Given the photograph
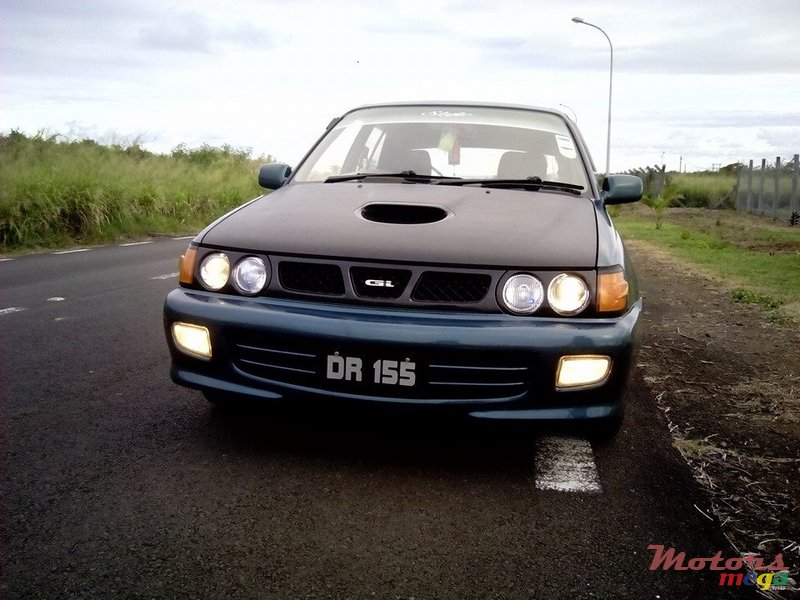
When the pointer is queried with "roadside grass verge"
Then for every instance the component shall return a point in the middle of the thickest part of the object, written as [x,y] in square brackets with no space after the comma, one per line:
[55,193]
[759,270]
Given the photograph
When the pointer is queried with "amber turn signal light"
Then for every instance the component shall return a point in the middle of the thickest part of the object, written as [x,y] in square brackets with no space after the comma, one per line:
[612,292]
[186,265]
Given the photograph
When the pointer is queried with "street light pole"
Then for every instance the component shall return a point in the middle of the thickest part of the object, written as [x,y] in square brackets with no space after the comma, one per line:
[610,82]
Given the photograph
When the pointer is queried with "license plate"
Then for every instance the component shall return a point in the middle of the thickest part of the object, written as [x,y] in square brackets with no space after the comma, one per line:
[380,371]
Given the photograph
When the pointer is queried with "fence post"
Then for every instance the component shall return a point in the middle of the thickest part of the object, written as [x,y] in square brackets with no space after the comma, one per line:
[750,185]
[795,176]
[777,187]
[663,180]
[761,186]
[737,199]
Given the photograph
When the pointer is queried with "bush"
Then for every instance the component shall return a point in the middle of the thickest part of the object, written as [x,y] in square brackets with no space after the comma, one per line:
[54,191]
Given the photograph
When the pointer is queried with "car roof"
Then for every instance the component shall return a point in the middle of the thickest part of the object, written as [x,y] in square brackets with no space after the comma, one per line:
[458,103]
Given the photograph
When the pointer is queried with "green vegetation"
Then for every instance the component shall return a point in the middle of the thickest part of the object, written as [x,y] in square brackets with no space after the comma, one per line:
[769,305]
[766,302]
[704,189]
[56,193]
[760,258]
[660,203]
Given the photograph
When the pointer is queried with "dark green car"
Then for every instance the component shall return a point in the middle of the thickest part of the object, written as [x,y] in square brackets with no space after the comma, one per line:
[453,256]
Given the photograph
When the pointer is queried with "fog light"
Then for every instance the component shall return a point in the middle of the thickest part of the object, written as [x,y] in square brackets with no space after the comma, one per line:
[192,339]
[580,371]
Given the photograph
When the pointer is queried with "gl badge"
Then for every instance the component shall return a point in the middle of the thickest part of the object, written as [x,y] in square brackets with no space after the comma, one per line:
[385,283]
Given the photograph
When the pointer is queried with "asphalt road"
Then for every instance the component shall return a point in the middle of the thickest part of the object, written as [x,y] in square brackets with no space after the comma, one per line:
[117,483]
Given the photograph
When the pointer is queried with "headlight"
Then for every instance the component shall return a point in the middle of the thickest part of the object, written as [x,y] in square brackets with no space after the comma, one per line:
[523,294]
[568,294]
[250,275]
[214,271]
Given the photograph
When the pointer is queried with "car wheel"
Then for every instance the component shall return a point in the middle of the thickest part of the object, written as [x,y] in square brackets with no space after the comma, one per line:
[605,430]
[226,402]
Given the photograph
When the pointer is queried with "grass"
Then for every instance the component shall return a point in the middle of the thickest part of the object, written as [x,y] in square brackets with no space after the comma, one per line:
[760,261]
[57,193]
[703,189]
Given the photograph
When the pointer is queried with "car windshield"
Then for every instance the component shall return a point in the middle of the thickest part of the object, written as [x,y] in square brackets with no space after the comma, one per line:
[467,142]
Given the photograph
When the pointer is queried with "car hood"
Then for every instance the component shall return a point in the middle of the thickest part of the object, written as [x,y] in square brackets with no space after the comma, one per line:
[482,227]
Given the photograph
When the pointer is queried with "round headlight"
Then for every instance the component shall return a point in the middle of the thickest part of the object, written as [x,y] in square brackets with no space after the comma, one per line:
[568,294]
[250,275]
[214,271]
[523,294]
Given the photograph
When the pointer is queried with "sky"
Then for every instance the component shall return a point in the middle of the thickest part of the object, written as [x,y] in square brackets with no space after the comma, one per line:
[695,84]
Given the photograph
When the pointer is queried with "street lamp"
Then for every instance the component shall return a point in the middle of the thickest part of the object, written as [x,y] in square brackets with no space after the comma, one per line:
[610,81]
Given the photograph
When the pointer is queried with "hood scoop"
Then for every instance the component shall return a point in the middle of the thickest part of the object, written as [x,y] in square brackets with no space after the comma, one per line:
[403,214]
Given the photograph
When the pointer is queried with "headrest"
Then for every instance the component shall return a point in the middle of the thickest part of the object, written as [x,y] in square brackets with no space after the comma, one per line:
[521,165]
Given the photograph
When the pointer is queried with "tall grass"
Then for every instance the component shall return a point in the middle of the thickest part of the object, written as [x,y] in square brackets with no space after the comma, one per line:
[704,190]
[700,190]
[56,192]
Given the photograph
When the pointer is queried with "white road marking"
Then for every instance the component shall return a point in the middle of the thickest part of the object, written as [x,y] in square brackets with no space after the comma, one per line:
[566,464]
[56,299]
[5,259]
[166,276]
[185,237]
[11,310]
[72,251]
[135,244]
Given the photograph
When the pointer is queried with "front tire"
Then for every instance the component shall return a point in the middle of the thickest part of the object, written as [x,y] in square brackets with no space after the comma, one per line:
[225,402]
[605,430]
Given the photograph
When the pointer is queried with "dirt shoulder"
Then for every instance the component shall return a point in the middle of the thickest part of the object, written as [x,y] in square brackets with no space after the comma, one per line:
[728,381]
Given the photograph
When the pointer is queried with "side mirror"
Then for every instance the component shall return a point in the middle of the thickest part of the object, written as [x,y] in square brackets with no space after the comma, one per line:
[620,189]
[273,175]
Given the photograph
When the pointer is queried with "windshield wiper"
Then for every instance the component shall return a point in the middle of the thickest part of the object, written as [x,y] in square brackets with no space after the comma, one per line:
[406,175]
[529,183]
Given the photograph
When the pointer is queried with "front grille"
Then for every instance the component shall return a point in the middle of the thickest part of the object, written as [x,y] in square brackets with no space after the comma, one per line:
[274,361]
[477,378]
[459,376]
[370,282]
[311,278]
[435,286]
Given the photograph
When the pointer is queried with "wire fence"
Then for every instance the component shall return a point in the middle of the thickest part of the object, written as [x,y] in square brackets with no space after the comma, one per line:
[769,189]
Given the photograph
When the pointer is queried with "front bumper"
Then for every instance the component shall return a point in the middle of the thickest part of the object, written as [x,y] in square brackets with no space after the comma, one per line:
[271,348]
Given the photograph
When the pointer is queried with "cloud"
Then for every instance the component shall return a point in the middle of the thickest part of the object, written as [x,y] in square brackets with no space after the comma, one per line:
[99,40]
[185,32]
[723,118]
[784,141]
[689,38]
[407,26]
[690,77]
